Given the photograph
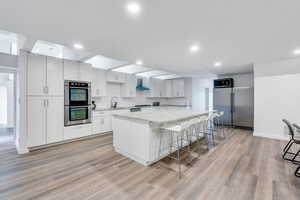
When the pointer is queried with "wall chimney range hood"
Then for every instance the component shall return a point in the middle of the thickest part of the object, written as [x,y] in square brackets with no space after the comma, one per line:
[140,85]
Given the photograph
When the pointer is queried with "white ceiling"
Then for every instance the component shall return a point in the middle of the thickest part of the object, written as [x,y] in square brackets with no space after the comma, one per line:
[234,32]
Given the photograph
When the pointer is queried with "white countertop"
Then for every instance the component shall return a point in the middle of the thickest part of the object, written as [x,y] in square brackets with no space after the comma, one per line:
[161,116]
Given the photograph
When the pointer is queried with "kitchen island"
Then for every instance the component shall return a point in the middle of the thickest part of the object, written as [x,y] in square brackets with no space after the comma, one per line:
[137,135]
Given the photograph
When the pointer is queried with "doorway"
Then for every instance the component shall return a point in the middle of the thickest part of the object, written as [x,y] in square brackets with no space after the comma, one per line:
[7,107]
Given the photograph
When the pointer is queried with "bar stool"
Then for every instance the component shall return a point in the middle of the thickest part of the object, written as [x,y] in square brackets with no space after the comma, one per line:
[292,141]
[209,127]
[198,129]
[181,133]
[221,123]
[297,141]
[297,138]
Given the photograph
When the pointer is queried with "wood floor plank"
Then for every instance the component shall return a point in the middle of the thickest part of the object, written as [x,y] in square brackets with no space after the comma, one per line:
[242,167]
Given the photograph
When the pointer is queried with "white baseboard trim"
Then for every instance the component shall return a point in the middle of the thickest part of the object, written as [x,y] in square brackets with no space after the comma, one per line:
[22,150]
[271,136]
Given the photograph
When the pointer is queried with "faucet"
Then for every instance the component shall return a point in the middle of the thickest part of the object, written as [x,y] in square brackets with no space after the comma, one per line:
[113,102]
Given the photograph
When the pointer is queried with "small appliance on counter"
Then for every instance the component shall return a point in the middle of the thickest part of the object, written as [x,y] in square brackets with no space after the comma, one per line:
[156,103]
[77,98]
[135,109]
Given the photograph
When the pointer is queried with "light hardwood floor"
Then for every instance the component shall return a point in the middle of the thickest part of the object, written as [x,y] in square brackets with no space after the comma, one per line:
[243,167]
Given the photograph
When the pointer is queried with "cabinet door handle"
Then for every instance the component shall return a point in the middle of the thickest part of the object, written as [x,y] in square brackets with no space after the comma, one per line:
[46,103]
[46,89]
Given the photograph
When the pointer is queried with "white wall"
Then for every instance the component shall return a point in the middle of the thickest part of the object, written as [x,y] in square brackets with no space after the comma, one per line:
[199,95]
[276,96]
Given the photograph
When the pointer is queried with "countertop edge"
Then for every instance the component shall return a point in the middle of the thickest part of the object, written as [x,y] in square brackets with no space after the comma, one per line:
[159,122]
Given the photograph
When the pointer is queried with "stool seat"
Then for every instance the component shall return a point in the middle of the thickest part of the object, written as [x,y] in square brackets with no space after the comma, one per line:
[176,128]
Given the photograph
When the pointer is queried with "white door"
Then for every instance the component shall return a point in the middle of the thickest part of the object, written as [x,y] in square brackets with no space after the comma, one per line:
[71,70]
[36,74]
[85,72]
[36,114]
[55,119]
[55,76]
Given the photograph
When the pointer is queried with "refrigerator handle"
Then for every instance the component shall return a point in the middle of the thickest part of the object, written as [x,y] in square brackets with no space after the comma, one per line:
[232,103]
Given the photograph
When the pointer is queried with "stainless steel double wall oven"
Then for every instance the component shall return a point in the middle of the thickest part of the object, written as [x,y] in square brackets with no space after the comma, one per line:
[77,102]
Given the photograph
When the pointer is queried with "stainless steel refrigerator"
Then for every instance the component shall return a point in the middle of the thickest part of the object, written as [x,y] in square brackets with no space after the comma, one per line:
[237,104]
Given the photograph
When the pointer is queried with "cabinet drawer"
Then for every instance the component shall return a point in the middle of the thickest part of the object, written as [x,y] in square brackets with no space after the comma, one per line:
[72,132]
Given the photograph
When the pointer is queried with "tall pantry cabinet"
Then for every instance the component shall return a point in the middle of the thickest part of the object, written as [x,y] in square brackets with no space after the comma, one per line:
[45,100]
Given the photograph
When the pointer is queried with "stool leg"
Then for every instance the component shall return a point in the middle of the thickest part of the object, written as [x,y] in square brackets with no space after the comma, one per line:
[159,148]
[178,157]
[288,148]
[284,149]
[295,156]
[297,173]
[223,129]
[170,142]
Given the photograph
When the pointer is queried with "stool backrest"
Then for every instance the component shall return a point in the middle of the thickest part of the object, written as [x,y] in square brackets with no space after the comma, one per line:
[290,128]
[297,127]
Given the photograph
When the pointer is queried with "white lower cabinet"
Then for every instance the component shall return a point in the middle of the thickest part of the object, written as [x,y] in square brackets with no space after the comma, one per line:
[72,132]
[45,120]
[106,123]
[102,122]
[36,122]
[55,120]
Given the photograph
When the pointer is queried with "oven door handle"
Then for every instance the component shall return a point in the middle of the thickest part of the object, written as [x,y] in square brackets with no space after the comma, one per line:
[79,87]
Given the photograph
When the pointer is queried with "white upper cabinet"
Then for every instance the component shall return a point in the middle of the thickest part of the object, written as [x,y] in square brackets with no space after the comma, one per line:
[71,70]
[55,77]
[36,75]
[98,82]
[178,88]
[85,72]
[152,86]
[115,77]
[157,87]
[128,89]
[166,88]
[161,88]
[44,76]
[169,89]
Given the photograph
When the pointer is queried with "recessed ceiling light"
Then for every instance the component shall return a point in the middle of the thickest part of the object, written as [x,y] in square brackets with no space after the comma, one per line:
[134,8]
[297,51]
[139,62]
[194,48]
[77,46]
[218,64]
